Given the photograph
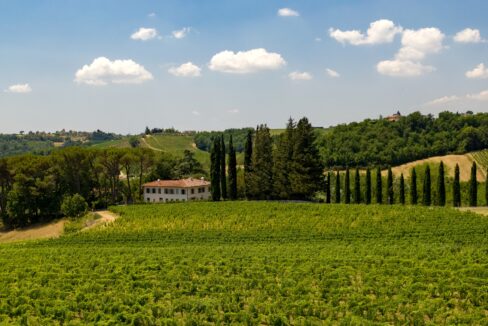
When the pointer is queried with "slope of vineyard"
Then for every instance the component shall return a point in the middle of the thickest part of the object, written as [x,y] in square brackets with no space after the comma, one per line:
[255,263]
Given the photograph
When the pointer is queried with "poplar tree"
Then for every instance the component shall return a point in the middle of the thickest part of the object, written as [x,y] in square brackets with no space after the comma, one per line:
[379,190]
[232,171]
[347,188]
[426,193]
[327,187]
[223,178]
[402,190]
[473,187]
[338,188]
[357,187]
[247,162]
[389,182]
[441,186]
[368,186]
[456,188]
[413,187]
[215,170]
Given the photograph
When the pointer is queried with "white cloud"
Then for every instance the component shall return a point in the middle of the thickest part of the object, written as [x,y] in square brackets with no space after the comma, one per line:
[244,62]
[102,71]
[233,111]
[19,88]
[416,44]
[481,96]
[468,35]
[144,34]
[380,31]
[186,70]
[152,14]
[287,12]
[444,100]
[297,75]
[194,112]
[179,34]
[480,71]
[332,73]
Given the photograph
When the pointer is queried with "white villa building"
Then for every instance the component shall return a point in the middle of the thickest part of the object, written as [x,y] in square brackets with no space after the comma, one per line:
[176,190]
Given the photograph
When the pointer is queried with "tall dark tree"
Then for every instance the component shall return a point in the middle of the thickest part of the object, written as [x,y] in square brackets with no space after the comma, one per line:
[486,188]
[368,186]
[402,189]
[215,169]
[441,186]
[357,187]
[347,188]
[338,188]
[282,162]
[223,165]
[389,182]
[327,187]
[379,187]
[232,171]
[261,176]
[473,187]
[247,162]
[426,191]
[306,173]
[413,187]
[456,188]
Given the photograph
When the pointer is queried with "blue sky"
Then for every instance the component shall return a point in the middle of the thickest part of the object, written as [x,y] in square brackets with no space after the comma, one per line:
[210,65]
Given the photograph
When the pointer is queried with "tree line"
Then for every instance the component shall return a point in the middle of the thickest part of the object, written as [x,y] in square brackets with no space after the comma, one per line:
[428,191]
[287,167]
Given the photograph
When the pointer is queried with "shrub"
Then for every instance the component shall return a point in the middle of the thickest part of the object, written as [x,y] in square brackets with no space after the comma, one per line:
[74,206]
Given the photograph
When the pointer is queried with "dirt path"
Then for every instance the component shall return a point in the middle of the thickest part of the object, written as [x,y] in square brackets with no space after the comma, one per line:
[106,218]
[45,231]
[477,210]
[149,146]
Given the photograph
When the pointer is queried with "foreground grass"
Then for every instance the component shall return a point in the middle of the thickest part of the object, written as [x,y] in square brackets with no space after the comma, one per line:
[255,263]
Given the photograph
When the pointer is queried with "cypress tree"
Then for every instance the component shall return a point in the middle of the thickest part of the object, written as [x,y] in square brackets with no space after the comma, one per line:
[215,170]
[327,187]
[223,178]
[368,186]
[347,189]
[261,176]
[413,187]
[441,186]
[456,188]
[486,188]
[402,190]
[282,162]
[232,171]
[357,187]
[389,183]
[247,163]
[379,187]
[426,193]
[473,187]
[338,188]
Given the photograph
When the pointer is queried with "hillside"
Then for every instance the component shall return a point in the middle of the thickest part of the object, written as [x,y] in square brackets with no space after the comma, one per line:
[221,263]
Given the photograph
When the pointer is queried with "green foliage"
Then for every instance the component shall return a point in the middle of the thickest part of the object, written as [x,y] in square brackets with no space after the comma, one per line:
[203,139]
[260,179]
[402,189]
[426,190]
[456,188]
[223,176]
[473,187]
[347,187]
[248,163]
[441,186]
[413,187]
[368,186]
[379,186]
[338,188]
[220,263]
[282,161]
[357,187]
[413,137]
[328,194]
[215,169]
[389,187]
[232,171]
[74,206]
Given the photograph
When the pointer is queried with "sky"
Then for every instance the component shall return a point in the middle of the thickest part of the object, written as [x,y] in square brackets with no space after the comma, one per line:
[120,65]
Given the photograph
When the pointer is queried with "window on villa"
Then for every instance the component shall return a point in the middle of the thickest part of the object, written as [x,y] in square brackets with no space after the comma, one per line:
[148,190]
[153,190]
[192,191]
[183,191]
[159,190]
[148,199]
[166,191]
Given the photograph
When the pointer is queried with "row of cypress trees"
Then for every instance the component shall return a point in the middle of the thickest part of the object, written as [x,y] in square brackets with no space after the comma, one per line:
[222,170]
[426,199]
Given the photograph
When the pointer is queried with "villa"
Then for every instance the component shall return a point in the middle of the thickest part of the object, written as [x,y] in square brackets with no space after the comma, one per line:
[176,190]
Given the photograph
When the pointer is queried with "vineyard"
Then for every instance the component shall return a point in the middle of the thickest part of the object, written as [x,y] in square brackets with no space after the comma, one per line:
[481,158]
[255,263]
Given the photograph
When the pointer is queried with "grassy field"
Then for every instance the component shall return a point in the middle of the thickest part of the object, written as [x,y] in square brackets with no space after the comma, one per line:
[255,263]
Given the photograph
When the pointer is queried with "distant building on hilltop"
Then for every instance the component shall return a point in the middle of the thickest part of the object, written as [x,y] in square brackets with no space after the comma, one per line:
[176,190]
[394,117]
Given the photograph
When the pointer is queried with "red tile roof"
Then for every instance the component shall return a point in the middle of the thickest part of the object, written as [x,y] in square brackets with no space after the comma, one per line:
[182,183]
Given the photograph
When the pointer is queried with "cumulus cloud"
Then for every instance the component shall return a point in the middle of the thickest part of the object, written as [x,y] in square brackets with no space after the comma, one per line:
[380,31]
[444,100]
[287,12]
[332,73]
[144,34]
[244,62]
[481,96]
[179,34]
[297,75]
[416,45]
[468,35]
[103,71]
[186,70]
[480,71]
[19,88]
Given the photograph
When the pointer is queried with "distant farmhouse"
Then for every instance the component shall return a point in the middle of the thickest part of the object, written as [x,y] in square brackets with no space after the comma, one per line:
[176,190]
[394,117]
